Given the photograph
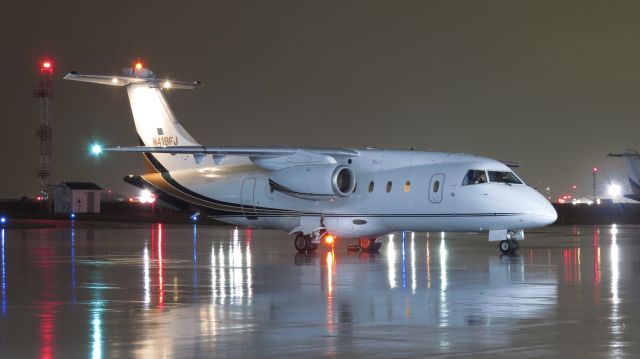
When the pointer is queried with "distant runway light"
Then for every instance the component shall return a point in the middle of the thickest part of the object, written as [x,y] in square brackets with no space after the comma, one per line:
[147,197]
[3,220]
[72,216]
[114,80]
[167,84]
[96,149]
[614,190]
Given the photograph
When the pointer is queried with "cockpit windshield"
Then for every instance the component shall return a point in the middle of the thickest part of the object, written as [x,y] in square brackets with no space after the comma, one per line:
[480,176]
[504,177]
[474,177]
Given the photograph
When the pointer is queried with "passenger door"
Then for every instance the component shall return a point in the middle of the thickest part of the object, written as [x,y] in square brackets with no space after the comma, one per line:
[436,187]
[246,198]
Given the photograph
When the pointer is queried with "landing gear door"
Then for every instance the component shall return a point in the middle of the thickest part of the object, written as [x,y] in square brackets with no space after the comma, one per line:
[436,187]
[246,198]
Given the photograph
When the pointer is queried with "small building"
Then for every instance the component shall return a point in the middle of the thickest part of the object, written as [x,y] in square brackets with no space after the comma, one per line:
[77,197]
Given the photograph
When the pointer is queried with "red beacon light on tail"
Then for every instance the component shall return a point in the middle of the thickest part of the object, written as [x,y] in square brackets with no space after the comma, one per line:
[138,70]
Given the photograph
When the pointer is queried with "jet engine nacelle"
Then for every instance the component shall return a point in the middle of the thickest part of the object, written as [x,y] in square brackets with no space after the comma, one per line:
[314,181]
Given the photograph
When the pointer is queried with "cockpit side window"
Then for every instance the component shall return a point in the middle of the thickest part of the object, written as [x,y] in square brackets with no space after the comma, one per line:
[504,177]
[474,177]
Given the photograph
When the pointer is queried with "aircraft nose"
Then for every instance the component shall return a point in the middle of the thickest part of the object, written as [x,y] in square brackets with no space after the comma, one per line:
[543,211]
[549,213]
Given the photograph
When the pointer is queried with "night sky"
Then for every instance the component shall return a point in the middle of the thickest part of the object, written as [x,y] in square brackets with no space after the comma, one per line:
[553,85]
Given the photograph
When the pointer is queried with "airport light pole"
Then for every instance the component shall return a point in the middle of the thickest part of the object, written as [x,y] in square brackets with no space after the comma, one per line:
[594,172]
[44,92]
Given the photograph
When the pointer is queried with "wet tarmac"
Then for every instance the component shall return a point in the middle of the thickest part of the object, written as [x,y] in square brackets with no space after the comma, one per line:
[177,291]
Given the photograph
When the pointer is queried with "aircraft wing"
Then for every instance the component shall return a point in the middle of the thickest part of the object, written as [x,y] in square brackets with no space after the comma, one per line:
[235,151]
[629,153]
[633,196]
[271,158]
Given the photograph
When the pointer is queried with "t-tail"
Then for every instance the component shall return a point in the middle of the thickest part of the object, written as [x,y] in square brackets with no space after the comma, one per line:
[155,123]
[632,161]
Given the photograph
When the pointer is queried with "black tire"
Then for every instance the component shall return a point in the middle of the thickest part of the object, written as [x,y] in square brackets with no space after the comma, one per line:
[311,247]
[300,242]
[376,247]
[505,247]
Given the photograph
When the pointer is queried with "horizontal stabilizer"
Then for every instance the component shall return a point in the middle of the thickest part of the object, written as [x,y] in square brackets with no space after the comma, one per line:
[143,76]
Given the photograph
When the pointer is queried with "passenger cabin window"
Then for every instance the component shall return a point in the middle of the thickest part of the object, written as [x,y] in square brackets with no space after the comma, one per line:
[407,186]
[436,186]
[370,186]
[389,184]
[474,177]
[504,177]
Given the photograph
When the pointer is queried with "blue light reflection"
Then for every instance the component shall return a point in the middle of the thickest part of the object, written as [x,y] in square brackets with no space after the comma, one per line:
[73,263]
[4,279]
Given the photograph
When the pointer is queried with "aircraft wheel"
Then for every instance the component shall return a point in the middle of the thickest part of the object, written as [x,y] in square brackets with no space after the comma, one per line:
[376,246]
[505,246]
[311,247]
[300,242]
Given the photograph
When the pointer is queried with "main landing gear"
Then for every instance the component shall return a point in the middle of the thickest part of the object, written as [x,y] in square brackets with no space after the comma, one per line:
[308,243]
[508,246]
[371,245]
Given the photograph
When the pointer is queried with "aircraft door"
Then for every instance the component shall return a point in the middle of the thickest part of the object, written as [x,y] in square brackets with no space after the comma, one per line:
[436,187]
[91,202]
[246,198]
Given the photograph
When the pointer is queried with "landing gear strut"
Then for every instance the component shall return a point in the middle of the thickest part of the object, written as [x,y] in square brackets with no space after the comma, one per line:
[508,246]
[305,243]
[370,245]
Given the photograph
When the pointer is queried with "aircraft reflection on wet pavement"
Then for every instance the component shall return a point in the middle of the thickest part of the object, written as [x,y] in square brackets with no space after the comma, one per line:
[145,291]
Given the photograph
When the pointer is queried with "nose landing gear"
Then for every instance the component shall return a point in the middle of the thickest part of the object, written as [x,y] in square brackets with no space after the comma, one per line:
[508,246]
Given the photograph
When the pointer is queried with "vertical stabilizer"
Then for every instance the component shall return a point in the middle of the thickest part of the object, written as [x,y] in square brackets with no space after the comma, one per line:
[632,162]
[155,123]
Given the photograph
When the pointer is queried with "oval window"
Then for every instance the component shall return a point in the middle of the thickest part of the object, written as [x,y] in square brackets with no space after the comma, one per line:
[370,186]
[389,184]
[436,186]
[407,186]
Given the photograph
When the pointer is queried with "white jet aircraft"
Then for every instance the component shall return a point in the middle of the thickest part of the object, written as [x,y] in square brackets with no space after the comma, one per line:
[632,160]
[320,193]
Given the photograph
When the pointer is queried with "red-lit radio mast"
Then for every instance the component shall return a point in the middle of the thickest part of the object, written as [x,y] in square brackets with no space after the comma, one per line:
[44,131]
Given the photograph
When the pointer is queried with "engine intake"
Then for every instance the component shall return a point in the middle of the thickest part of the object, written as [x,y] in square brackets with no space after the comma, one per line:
[314,181]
